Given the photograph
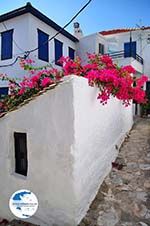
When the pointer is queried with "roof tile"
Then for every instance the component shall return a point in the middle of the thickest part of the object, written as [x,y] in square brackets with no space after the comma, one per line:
[122,30]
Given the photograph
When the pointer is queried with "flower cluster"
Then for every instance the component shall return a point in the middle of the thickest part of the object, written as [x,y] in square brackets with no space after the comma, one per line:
[100,71]
[109,78]
[26,63]
[39,80]
[30,85]
[71,66]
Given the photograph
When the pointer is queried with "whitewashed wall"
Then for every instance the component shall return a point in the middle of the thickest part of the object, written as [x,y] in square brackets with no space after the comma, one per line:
[71,141]
[90,44]
[97,129]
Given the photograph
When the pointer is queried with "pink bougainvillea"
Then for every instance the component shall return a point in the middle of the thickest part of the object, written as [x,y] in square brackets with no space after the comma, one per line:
[100,71]
[109,78]
[46,81]
[26,63]
[128,69]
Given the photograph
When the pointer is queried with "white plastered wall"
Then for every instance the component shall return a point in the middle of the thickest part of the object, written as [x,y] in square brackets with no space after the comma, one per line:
[71,142]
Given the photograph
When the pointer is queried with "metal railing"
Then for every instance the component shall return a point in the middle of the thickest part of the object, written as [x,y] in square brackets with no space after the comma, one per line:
[121,54]
[139,59]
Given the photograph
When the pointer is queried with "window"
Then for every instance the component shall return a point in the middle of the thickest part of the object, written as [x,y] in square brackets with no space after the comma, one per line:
[21,162]
[58,51]
[130,49]
[6,44]
[71,53]
[3,92]
[43,45]
[101,49]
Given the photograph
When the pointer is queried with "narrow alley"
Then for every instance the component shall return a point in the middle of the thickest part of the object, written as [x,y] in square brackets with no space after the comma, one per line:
[124,197]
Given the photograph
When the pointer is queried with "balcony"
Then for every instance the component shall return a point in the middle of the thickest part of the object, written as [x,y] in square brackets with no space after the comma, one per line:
[120,54]
[123,59]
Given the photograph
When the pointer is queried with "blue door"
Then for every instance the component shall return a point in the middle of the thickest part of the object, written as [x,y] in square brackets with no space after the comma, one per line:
[130,49]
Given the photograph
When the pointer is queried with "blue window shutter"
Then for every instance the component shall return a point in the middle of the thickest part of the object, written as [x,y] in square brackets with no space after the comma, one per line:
[3,92]
[43,45]
[58,51]
[71,53]
[6,44]
[130,49]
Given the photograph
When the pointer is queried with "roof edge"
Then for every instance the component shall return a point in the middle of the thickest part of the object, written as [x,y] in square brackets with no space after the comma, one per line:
[122,30]
[28,8]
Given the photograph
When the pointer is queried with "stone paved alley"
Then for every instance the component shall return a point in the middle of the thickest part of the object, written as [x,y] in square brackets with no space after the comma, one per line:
[124,197]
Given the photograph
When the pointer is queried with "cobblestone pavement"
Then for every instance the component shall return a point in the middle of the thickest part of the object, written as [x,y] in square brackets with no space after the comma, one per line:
[124,197]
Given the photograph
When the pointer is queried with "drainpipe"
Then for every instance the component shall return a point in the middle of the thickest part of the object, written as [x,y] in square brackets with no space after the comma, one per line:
[130,43]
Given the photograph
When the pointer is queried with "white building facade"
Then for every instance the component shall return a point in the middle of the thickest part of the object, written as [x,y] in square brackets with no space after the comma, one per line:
[140,46]
[125,46]
[94,43]
[25,29]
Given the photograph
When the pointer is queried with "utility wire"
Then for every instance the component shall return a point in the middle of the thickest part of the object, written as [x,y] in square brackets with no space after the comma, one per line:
[27,53]
[66,25]
[11,64]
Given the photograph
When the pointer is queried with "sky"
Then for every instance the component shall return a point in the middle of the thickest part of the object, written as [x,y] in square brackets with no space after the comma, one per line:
[99,15]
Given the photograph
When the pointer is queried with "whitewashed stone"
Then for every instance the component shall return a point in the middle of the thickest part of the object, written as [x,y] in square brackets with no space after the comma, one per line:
[71,141]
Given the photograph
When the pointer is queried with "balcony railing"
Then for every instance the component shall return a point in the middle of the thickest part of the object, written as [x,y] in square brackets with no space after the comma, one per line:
[139,59]
[120,54]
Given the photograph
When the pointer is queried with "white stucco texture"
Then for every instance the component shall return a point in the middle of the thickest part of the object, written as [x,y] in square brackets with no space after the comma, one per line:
[71,142]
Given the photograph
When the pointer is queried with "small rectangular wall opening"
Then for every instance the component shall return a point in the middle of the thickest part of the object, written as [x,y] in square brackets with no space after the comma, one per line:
[21,161]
